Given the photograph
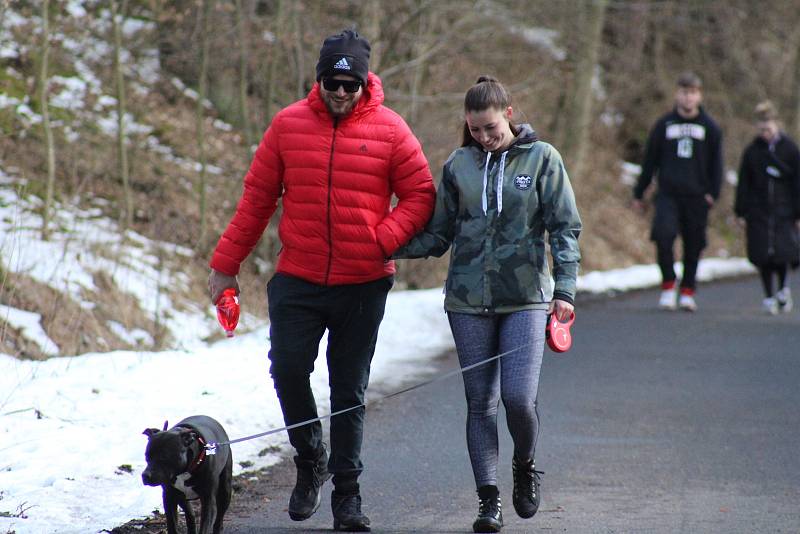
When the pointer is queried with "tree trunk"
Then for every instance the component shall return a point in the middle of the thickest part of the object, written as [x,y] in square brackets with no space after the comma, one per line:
[127,218]
[372,16]
[202,90]
[244,113]
[48,133]
[299,48]
[664,80]
[579,104]
[272,81]
[425,27]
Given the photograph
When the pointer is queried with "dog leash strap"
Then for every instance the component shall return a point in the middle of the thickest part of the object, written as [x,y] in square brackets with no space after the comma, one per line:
[213,445]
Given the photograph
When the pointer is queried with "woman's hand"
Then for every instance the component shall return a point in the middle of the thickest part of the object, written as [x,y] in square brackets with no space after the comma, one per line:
[561,308]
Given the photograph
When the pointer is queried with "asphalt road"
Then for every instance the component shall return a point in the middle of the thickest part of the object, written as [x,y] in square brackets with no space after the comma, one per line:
[654,422]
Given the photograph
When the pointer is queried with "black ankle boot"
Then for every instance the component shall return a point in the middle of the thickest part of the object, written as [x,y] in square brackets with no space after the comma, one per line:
[526,496]
[346,508]
[311,474]
[490,513]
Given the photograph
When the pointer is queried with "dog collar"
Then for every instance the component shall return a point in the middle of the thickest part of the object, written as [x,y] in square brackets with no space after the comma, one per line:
[200,456]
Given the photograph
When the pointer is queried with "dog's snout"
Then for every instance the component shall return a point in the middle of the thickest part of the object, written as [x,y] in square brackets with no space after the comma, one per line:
[147,479]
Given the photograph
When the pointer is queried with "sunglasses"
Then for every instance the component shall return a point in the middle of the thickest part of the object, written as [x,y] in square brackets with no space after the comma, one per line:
[349,86]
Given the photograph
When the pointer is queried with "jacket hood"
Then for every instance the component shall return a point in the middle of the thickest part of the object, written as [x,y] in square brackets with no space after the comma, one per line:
[524,138]
[370,100]
[525,135]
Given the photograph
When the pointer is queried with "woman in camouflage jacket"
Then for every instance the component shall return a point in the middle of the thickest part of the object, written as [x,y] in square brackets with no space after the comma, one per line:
[500,192]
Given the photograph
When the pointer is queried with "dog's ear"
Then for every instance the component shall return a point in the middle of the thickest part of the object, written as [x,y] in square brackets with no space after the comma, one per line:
[166,425]
[150,431]
[189,436]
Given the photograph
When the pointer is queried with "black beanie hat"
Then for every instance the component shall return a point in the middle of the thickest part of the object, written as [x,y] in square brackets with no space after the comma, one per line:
[345,53]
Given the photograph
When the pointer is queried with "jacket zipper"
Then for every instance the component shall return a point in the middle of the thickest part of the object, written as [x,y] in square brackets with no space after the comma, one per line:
[330,186]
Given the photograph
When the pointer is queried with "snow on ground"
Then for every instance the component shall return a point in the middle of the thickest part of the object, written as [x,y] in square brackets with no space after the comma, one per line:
[70,426]
[31,326]
[86,243]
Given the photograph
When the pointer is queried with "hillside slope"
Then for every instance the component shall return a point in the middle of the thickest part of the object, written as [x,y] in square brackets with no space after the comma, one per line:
[97,286]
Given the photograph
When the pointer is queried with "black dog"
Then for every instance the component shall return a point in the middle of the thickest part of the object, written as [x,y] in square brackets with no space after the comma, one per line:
[177,461]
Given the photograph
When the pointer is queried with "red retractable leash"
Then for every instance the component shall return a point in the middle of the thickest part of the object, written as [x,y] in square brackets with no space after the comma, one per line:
[228,311]
[557,333]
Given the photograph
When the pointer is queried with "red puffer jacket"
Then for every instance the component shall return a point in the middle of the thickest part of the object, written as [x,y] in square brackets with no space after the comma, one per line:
[337,179]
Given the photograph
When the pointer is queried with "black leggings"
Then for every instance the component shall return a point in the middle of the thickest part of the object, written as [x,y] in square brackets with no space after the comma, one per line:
[767,271]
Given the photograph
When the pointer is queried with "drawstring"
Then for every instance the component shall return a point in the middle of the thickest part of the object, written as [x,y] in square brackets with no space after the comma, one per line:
[500,182]
[484,199]
[500,176]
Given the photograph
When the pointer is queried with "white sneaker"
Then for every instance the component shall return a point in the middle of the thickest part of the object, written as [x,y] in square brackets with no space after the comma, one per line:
[668,299]
[784,298]
[770,306]
[687,303]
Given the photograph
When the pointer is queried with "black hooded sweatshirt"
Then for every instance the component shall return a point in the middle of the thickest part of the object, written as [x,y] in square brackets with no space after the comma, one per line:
[686,153]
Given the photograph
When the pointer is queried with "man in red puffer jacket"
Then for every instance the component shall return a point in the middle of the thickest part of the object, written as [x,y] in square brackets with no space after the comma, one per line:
[336,157]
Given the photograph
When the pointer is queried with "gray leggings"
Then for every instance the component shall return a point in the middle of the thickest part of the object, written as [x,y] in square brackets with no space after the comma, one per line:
[514,378]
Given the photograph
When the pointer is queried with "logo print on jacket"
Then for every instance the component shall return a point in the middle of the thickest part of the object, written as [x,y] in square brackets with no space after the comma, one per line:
[342,64]
[523,182]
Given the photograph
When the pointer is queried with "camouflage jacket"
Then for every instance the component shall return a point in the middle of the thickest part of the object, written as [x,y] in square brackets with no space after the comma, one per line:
[498,262]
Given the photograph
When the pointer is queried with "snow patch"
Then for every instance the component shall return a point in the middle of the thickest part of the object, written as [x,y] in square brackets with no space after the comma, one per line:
[30,324]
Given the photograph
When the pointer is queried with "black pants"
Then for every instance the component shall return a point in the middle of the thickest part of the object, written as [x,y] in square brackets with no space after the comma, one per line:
[300,312]
[687,216]
[767,271]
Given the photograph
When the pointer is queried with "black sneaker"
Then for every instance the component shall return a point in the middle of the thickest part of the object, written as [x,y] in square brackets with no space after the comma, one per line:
[490,512]
[526,496]
[311,474]
[347,514]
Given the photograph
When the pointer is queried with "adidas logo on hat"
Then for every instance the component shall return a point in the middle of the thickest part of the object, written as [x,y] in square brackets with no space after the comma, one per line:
[342,64]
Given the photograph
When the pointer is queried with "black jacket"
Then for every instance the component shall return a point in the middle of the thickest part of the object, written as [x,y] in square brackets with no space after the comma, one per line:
[686,154]
[768,197]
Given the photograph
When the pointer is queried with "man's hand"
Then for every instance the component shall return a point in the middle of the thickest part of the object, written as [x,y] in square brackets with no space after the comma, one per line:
[219,282]
[638,205]
[709,200]
[561,308]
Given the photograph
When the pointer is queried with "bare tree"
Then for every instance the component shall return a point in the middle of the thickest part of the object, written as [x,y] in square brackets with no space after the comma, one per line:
[299,49]
[373,12]
[425,33]
[116,12]
[272,78]
[202,82]
[48,133]
[578,104]
[244,114]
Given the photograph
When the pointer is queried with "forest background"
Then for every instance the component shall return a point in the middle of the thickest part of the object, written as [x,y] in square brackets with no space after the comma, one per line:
[147,113]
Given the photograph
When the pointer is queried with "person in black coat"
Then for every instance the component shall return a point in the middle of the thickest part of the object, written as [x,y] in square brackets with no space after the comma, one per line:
[684,151]
[768,199]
